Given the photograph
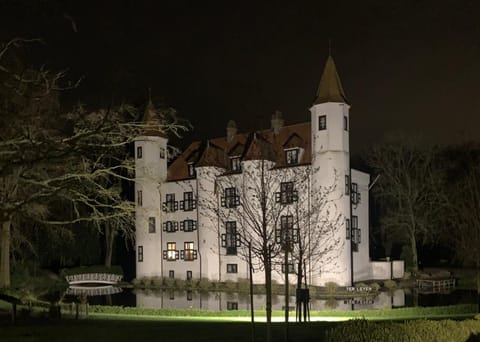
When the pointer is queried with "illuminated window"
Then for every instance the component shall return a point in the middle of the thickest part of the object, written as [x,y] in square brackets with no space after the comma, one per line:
[171,254]
[188,253]
[322,122]
[151,224]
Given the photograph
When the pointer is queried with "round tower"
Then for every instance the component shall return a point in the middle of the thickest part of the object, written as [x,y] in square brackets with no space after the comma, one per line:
[150,172]
[331,173]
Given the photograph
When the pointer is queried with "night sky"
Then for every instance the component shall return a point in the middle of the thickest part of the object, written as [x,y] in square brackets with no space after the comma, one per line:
[409,66]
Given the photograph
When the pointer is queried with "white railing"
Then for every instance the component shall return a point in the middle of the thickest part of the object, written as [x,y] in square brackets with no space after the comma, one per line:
[101,278]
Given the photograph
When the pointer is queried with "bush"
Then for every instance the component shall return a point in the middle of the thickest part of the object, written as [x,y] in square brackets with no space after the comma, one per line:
[331,288]
[375,286]
[204,284]
[230,285]
[169,282]
[243,285]
[390,284]
[414,331]
[157,282]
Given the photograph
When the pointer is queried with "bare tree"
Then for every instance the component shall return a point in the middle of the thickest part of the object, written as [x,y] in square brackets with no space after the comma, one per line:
[49,156]
[271,205]
[408,186]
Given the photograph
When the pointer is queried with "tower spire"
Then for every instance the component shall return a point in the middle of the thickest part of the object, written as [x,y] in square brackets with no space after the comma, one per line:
[330,88]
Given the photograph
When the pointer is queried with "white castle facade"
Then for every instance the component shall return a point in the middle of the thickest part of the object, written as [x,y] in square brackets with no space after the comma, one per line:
[196,217]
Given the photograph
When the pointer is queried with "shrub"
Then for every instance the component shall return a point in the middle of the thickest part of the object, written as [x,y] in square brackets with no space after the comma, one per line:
[136,282]
[204,284]
[390,284]
[230,285]
[331,288]
[180,284]
[157,282]
[375,286]
[145,281]
[169,282]
[243,285]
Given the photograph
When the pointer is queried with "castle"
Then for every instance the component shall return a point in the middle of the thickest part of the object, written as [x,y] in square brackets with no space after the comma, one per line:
[196,216]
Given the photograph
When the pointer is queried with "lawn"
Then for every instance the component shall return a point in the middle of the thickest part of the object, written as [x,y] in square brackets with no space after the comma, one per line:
[139,324]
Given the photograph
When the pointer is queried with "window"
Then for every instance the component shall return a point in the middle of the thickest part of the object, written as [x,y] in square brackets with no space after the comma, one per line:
[355,231]
[189,275]
[171,254]
[162,153]
[140,253]
[151,224]
[171,274]
[347,226]
[191,170]
[235,164]
[170,226]
[139,198]
[286,233]
[188,226]
[286,195]
[188,203]
[347,184]
[231,240]
[188,253]
[232,268]
[345,123]
[322,122]
[291,269]
[139,152]
[170,204]
[291,156]
[232,305]
[230,198]
[355,194]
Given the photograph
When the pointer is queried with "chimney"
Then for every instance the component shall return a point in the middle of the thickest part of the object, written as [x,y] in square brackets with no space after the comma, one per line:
[277,121]
[231,130]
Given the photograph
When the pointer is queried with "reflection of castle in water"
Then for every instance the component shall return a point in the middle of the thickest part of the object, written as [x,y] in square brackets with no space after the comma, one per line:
[240,301]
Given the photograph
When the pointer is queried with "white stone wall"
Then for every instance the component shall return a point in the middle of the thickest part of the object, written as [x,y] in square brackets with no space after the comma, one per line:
[361,258]
[150,172]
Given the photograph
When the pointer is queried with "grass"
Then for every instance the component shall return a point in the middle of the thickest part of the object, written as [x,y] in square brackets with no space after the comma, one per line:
[134,324]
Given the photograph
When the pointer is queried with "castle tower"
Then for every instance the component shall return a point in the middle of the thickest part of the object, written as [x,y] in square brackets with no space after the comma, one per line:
[331,173]
[150,172]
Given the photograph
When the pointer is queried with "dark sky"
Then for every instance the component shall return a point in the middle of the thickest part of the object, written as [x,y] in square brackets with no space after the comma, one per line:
[405,65]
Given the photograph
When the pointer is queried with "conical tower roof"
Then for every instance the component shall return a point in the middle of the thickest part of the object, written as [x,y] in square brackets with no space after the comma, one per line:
[152,120]
[330,88]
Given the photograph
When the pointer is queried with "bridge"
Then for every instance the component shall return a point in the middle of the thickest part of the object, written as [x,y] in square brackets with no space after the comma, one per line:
[94,278]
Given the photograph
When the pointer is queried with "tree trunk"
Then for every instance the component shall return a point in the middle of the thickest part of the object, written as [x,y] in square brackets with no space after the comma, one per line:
[109,242]
[268,294]
[413,244]
[5,254]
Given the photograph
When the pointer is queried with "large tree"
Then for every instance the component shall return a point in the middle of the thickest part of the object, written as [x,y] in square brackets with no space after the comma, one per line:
[408,187]
[50,157]
[462,194]
[273,206]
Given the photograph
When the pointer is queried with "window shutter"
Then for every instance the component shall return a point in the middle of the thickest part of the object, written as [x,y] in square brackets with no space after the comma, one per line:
[238,241]
[182,226]
[182,205]
[194,225]
[224,240]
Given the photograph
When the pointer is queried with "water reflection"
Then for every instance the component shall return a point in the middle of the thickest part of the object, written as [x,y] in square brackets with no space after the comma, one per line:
[90,291]
[240,301]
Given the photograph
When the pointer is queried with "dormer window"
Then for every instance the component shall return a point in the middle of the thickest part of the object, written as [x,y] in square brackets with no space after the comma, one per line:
[291,156]
[191,170]
[235,164]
